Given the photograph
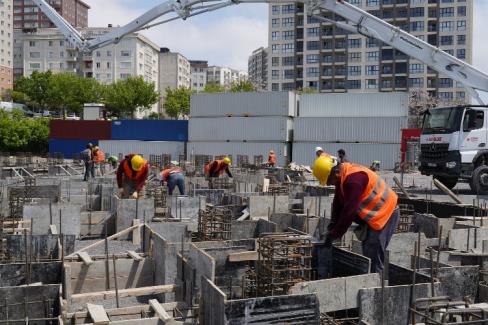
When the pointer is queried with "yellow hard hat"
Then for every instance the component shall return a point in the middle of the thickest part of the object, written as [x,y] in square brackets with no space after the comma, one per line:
[322,168]
[137,162]
[226,161]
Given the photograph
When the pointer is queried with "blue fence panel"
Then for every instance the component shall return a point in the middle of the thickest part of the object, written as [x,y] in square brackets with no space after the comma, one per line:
[150,130]
[68,148]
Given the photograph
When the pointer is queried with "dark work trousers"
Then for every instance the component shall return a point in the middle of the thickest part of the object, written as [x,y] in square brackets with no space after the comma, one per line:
[375,244]
[88,170]
[176,179]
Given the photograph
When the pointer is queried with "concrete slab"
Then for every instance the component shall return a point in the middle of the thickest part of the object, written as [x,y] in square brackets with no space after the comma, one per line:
[261,206]
[126,212]
[401,247]
[318,205]
[467,239]
[41,218]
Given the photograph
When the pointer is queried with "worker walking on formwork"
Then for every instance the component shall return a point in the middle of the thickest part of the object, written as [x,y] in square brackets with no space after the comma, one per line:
[132,175]
[98,161]
[271,159]
[87,156]
[216,168]
[173,177]
[364,197]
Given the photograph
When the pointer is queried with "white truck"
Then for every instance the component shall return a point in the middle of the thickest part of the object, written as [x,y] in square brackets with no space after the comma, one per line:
[454,139]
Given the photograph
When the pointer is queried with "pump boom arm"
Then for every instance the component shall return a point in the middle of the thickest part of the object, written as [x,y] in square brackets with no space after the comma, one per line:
[357,20]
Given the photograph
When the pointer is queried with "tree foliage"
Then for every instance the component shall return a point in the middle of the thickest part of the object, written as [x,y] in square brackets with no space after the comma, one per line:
[21,134]
[177,102]
[242,86]
[212,87]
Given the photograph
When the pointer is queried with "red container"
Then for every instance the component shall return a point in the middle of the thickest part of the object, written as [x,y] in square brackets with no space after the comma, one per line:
[408,135]
[72,130]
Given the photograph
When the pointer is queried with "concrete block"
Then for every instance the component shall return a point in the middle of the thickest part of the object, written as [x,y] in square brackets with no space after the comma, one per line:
[185,207]
[318,205]
[126,212]
[338,293]
[261,206]
[39,214]
[429,224]
[401,247]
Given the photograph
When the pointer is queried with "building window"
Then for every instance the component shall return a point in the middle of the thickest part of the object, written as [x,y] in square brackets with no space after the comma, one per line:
[275,87]
[445,83]
[313,32]
[98,54]
[288,9]
[417,12]
[61,43]
[288,35]
[275,36]
[98,65]
[354,43]
[373,56]
[416,68]
[417,26]
[35,55]
[446,40]
[416,82]
[327,58]
[461,54]
[357,3]
[372,3]
[275,22]
[312,72]
[354,84]
[312,58]
[35,65]
[288,48]
[371,84]
[446,12]
[125,65]
[124,76]
[312,45]
[275,48]
[353,57]
[289,74]
[275,61]
[61,54]
[288,60]
[355,70]
[461,11]
[275,74]
[327,71]
[461,39]
[460,95]
[461,25]
[109,53]
[125,53]
[50,43]
[108,65]
[372,42]
[275,10]
[32,43]
[372,70]
[447,26]
[446,96]
[287,22]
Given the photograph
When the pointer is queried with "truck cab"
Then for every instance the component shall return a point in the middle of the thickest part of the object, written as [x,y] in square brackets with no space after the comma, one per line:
[454,146]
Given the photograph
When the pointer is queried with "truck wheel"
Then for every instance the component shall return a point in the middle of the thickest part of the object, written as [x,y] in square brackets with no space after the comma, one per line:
[448,182]
[479,181]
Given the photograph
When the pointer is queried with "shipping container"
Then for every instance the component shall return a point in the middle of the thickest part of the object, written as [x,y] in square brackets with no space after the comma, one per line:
[243,104]
[268,128]
[354,105]
[145,148]
[349,129]
[361,153]
[250,149]
[150,130]
[68,148]
[73,130]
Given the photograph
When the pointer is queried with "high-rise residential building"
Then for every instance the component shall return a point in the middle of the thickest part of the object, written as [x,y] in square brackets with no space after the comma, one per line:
[257,68]
[27,15]
[45,49]
[174,72]
[307,53]
[6,45]
[225,77]
[198,76]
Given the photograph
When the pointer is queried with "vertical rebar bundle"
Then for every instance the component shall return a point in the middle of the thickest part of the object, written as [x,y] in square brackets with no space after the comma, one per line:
[405,223]
[214,224]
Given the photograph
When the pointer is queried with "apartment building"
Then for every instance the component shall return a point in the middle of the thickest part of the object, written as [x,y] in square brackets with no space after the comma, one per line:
[257,68]
[6,45]
[174,72]
[307,53]
[27,15]
[225,77]
[198,78]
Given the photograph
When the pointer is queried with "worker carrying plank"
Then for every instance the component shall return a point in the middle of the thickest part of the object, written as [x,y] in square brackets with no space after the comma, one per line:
[132,176]
[173,177]
[364,197]
[271,159]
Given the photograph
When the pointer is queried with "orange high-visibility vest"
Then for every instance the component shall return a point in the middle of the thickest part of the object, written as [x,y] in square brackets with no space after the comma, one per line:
[272,159]
[129,172]
[378,200]
[165,173]
[99,156]
[220,167]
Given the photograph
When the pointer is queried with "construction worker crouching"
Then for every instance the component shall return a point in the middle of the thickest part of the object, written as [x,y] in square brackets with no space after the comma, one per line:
[271,159]
[132,176]
[364,197]
[98,161]
[173,177]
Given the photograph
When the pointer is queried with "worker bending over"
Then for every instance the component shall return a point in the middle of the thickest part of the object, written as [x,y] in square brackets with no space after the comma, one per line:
[360,196]
[98,160]
[173,177]
[271,159]
[217,167]
[113,161]
[132,176]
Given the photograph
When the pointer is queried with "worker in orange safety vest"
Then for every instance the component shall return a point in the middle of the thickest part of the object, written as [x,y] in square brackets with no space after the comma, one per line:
[173,177]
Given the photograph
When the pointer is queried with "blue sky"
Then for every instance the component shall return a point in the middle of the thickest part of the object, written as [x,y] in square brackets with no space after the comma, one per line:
[228,36]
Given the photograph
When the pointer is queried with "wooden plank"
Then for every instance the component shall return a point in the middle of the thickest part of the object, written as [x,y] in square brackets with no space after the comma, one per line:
[244,256]
[131,310]
[136,233]
[159,310]
[133,292]
[134,255]
[97,314]
[85,258]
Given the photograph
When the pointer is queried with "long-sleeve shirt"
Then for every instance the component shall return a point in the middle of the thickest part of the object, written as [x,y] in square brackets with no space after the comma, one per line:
[141,180]
[345,207]
[215,173]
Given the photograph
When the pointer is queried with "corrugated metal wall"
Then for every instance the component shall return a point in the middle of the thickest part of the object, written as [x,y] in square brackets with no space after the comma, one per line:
[243,104]
[68,147]
[266,128]
[350,129]
[251,149]
[361,153]
[145,148]
[73,130]
[150,130]
[354,105]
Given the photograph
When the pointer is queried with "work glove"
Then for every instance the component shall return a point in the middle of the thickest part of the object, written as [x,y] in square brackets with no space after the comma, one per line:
[330,226]
[328,240]
[135,195]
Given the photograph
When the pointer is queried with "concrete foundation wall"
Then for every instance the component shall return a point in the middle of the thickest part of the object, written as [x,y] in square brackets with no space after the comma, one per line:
[184,207]
[430,225]
[260,206]
[39,247]
[126,212]
[16,274]
[68,224]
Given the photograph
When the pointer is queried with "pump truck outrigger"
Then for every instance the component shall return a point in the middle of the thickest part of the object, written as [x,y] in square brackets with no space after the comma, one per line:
[453,142]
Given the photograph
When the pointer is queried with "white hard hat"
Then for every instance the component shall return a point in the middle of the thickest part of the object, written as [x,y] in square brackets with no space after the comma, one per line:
[317,149]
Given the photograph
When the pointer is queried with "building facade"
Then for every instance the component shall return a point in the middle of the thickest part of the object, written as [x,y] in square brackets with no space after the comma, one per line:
[6,45]
[198,76]
[27,15]
[225,77]
[257,68]
[306,53]
[174,72]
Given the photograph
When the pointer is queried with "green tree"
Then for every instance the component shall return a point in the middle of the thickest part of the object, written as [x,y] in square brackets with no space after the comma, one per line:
[124,97]
[177,102]
[242,86]
[212,87]
[35,89]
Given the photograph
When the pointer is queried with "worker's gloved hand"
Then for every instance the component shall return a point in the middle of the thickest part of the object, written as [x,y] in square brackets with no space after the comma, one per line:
[121,192]
[135,195]
[330,226]
[328,240]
